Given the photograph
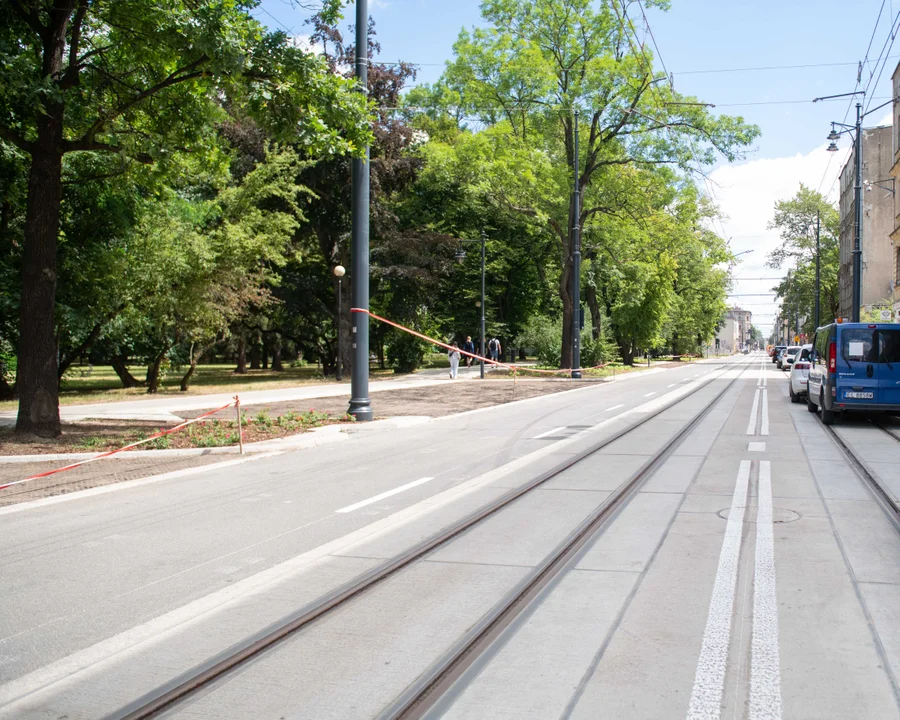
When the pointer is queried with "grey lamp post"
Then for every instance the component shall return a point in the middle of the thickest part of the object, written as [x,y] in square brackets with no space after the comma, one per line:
[339,368]
[360,405]
[576,268]
[460,256]
[856,299]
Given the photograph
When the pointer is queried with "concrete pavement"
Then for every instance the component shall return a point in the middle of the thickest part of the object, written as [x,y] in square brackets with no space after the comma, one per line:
[109,595]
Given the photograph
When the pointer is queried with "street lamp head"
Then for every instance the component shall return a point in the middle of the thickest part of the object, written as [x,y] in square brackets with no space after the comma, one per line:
[832,148]
[833,135]
[460,256]
[478,303]
[339,271]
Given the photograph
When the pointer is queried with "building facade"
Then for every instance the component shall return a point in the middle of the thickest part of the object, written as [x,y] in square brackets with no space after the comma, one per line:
[734,331]
[895,173]
[878,221]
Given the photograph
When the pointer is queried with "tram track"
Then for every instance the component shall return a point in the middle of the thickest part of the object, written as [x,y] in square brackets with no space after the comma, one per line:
[882,495]
[417,699]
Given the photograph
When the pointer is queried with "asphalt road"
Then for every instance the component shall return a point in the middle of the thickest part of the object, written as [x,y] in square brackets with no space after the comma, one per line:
[106,596]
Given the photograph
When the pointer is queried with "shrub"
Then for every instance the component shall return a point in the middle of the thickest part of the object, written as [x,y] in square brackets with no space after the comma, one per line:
[406,352]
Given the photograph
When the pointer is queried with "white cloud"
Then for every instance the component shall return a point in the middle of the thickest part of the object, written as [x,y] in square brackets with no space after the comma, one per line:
[746,194]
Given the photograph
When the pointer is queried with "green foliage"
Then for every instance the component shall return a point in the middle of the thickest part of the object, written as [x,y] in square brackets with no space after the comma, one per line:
[543,336]
[406,352]
[796,219]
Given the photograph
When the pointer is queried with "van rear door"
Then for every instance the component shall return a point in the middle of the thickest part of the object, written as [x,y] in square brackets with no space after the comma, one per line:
[857,367]
[889,364]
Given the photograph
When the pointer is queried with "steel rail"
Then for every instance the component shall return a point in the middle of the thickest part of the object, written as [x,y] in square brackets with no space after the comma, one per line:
[890,506]
[420,697]
[181,687]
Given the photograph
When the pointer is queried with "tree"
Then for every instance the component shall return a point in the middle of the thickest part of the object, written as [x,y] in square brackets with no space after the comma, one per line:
[142,80]
[795,219]
[540,61]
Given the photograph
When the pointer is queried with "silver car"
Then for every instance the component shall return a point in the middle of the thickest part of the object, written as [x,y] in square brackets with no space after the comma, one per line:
[800,374]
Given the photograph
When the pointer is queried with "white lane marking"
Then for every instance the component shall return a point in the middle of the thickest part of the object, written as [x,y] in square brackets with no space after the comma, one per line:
[764,428]
[650,393]
[765,663]
[382,496]
[751,426]
[672,385]
[614,407]
[549,432]
[706,697]
[757,447]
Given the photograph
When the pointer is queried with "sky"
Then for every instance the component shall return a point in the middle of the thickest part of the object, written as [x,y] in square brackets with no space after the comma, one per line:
[715,50]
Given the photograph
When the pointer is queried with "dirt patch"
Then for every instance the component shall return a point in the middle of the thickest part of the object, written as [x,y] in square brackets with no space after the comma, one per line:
[432,400]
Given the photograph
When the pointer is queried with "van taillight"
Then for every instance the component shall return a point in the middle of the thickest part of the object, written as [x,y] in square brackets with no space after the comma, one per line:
[832,357]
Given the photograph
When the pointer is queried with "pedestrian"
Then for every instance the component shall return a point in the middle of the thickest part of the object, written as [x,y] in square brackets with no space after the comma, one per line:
[453,354]
[469,347]
[494,349]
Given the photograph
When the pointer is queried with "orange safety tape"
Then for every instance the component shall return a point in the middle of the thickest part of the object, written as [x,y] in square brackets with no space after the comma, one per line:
[118,450]
[513,367]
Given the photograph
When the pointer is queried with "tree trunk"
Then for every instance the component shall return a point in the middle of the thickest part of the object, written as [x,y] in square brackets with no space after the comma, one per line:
[7,391]
[87,343]
[153,371]
[195,358]
[626,350]
[241,353]
[596,318]
[37,379]
[265,353]
[276,353]
[120,365]
[255,353]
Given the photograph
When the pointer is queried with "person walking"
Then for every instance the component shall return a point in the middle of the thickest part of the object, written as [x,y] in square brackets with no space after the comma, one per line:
[469,347]
[453,354]
[494,349]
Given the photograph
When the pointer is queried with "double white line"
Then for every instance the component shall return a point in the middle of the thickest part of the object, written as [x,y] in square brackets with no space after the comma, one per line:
[765,675]
[761,391]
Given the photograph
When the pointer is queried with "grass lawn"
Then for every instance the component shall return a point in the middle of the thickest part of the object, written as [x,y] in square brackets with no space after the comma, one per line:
[101,384]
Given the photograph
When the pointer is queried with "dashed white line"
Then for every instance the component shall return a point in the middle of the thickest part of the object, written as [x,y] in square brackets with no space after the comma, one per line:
[764,427]
[765,672]
[672,385]
[549,432]
[751,426]
[614,407]
[650,393]
[382,496]
[706,697]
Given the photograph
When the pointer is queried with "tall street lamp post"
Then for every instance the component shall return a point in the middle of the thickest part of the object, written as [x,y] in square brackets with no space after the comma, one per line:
[460,256]
[339,368]
[360,405]
[576,267]
[856,300]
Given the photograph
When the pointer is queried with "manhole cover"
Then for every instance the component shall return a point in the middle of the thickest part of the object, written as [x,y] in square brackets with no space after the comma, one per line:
[779,515]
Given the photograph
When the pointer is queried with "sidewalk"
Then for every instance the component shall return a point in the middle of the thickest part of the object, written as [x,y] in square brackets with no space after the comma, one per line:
[165,409]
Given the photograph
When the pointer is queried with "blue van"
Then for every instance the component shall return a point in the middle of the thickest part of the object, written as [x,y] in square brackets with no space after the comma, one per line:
[855,367]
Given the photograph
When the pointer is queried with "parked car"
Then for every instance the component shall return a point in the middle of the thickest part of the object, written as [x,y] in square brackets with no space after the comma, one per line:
[788,356]
[855,367]
[776,351]
[799,384]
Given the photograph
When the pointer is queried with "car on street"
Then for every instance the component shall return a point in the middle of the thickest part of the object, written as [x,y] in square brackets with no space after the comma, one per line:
[855,367]
[776,352]
[800,374]
[788,356]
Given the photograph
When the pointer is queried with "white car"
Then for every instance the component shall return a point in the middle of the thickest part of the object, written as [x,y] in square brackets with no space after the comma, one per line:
[787,358]
[800,374]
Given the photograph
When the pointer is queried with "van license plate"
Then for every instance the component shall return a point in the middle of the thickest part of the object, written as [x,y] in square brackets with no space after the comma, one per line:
[859,395]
